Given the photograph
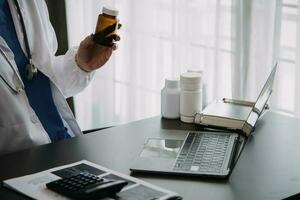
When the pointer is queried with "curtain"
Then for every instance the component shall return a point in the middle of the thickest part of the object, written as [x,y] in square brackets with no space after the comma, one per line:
[234,42]
[57,15]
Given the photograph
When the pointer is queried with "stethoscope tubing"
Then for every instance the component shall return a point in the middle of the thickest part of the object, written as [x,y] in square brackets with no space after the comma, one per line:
[16,89]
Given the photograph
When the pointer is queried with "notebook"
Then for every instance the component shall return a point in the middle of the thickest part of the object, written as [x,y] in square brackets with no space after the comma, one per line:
[236,115]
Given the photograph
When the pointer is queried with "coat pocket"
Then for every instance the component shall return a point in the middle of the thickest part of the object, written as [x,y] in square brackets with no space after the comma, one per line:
[12,138]
[21,136]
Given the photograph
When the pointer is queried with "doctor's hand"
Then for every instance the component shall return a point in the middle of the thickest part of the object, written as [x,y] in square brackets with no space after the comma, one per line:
[91,55]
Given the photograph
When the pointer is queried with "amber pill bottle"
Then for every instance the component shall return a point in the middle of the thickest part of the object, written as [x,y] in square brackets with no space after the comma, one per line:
[106,19]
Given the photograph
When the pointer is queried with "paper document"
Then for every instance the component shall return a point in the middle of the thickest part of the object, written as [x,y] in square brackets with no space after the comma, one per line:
[34,185]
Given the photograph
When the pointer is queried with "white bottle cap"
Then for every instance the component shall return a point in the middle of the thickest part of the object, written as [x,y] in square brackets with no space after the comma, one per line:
[191,81]
[172,83]
[195,70]
[110,11]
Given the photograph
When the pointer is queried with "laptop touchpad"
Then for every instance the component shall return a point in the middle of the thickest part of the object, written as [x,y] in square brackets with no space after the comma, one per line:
[161,148]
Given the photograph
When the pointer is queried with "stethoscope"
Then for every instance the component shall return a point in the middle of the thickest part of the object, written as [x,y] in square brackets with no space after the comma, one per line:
[30,70]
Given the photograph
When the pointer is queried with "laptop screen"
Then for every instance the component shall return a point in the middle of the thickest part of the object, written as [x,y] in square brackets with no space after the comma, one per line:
[263,98]
[265,92]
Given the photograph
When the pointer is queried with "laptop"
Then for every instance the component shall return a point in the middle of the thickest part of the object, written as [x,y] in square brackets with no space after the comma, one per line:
[202,153]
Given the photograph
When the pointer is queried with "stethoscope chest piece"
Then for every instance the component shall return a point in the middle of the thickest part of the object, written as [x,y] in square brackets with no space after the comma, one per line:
[30,71]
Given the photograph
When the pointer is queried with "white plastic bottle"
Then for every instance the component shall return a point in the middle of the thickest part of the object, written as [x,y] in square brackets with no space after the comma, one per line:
[190,96]
[170,99]
[204,87]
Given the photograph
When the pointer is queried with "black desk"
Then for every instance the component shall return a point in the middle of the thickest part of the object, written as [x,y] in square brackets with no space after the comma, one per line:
[269,167]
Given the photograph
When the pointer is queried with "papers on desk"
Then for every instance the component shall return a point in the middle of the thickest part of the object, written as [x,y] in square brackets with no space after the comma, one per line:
[34,185]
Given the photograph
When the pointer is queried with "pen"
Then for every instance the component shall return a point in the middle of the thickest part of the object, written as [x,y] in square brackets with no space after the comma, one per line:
[239,102]
[170,198]
[175,198]
[242,103]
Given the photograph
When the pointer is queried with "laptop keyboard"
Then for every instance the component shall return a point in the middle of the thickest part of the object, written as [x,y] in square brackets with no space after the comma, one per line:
[203,152]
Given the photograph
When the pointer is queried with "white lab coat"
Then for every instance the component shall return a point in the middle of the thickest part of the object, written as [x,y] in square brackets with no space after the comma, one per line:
[19,126]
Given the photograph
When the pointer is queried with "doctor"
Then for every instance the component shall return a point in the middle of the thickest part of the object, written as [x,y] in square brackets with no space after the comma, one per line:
[34,83]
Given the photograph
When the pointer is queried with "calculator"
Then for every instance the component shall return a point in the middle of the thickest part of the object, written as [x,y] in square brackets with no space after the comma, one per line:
[86,186]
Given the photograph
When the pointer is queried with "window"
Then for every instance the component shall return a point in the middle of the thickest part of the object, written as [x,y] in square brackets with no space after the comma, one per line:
[289,30]
[163,38]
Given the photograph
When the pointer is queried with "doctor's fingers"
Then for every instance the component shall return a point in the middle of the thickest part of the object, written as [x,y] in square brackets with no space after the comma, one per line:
[100,36]
[114,47]
[105,41]
[109,30]
[109,41]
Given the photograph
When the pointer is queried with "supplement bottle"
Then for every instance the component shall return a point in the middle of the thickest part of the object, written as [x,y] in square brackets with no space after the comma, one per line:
[106,19]
[190,96]
[170,97]
[204,87]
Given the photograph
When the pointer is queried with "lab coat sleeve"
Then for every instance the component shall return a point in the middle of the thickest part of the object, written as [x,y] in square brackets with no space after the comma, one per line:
[69,78]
